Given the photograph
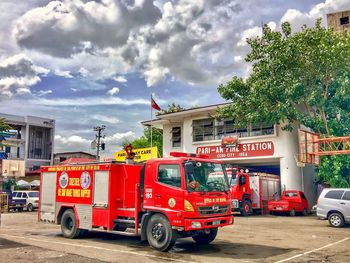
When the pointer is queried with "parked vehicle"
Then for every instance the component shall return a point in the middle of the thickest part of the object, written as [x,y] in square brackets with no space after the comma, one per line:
[291,202]
[333,204]
[31,199]
[14,203]
[251,191]
[166,198]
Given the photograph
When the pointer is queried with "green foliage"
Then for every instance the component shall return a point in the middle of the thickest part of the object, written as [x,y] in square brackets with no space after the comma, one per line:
[145,140]
[171,109]
[297,77]
[335,170]
[3,125]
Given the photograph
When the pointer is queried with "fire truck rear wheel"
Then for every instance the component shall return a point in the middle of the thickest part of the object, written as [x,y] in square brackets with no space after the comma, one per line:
[160,235]
[205,238]
[69,226]
[246,208]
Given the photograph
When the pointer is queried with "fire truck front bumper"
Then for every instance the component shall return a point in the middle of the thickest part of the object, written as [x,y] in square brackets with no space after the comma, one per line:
[205,223]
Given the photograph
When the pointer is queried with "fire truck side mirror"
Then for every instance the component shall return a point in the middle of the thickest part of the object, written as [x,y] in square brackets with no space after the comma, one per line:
[189,168]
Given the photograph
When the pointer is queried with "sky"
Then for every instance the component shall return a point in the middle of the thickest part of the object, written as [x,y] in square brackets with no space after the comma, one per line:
[86,63]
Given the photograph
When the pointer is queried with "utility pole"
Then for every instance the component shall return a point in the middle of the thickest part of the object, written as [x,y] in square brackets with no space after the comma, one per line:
[99,135]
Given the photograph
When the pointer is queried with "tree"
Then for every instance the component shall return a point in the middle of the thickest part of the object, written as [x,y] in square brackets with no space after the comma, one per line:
[145,140]
[302,77]
[171,108]
[3,125]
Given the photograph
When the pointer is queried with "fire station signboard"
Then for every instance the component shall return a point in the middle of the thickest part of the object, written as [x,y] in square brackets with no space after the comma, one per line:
[239,151]
[74,184]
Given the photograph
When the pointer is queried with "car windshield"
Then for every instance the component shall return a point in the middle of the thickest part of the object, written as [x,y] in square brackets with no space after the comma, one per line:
[207,177]
[33,194]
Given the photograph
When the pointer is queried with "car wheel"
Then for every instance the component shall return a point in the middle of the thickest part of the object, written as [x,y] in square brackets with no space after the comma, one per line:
[292,212]
[203,237]
[159,233]
[69,226]
[30,208]
[336,220]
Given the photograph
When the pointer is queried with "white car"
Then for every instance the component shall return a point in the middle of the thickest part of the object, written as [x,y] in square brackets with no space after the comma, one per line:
[32,198]
[334,205]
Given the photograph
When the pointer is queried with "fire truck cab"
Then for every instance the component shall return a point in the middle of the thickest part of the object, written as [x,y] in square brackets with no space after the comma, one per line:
[161,200]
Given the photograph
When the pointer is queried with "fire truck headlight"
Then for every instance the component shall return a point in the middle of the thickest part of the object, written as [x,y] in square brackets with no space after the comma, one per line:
[188,206]
[195,224]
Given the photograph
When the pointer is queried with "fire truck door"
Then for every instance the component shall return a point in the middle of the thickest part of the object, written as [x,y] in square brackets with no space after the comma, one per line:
[168,191]
[48,196]
[101,181]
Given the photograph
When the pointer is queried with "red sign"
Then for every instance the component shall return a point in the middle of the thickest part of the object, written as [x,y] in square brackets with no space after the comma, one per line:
[239,151]
[74,187]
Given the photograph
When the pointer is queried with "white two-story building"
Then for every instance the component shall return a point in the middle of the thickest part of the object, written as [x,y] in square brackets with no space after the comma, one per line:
[262,148]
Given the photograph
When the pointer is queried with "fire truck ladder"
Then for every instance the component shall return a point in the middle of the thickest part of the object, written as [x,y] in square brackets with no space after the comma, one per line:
[311,146]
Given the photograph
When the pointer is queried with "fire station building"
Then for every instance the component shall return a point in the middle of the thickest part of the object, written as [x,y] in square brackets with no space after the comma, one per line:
[263,148]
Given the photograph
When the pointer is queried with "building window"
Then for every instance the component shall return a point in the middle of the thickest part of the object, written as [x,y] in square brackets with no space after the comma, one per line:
[176,136]
[344,20]
[215,129]
[203,130]
[262,129]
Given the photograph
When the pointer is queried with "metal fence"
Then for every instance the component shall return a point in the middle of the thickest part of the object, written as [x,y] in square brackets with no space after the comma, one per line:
[4,203]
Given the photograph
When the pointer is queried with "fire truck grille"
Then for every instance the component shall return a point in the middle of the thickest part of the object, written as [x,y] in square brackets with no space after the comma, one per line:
[211,210]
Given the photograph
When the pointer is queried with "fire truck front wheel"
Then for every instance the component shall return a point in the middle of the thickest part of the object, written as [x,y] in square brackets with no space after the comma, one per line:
[69,226]
[160,235]
[206,236]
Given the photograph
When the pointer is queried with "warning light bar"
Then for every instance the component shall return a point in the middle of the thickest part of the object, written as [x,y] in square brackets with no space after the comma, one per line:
[182,154]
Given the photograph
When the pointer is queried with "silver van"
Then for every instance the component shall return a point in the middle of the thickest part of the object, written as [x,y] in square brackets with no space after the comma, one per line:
[334,205]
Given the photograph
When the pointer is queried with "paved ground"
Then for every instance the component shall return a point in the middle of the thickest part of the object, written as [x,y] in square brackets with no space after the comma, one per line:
[251,239]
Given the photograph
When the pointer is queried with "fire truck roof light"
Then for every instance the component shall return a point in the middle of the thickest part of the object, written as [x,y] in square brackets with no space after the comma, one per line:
[182,154]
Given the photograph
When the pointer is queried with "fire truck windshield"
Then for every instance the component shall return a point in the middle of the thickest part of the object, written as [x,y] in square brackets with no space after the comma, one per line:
[207,177]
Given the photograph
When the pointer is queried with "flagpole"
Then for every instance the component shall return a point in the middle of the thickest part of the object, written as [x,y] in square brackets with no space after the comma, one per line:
[151,126]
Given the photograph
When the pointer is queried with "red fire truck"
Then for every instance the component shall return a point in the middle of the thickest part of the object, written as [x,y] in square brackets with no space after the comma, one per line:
[252,191]
[162,200]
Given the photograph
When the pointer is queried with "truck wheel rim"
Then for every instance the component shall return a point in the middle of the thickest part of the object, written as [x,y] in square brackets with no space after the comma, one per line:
[158,231]
[69,223]
[335,220]
[246,208]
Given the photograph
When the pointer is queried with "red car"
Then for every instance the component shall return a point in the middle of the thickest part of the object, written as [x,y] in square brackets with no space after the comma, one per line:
[292,202]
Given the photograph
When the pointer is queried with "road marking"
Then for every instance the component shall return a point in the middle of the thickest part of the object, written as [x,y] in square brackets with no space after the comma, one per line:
[100,248]
[312,251]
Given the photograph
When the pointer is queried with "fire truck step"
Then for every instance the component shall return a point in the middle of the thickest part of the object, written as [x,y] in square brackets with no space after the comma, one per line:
[126,221]
[123,233]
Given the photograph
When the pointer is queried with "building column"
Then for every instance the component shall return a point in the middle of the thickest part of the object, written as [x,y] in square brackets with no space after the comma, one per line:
[290,174]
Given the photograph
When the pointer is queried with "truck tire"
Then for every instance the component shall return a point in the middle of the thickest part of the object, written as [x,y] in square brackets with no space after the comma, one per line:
[336,220]
[246,207]
[205,238]
[305,212]
[30,208]
[69,226]
[159,233]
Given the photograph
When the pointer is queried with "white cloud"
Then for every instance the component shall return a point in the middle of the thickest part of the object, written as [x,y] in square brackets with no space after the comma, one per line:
[63,73]
[89,101]
[78,143]
[42,93]
[120,79]
[18,74]
[105,118]
[113,91]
